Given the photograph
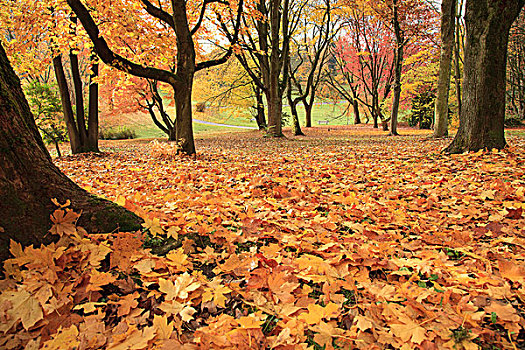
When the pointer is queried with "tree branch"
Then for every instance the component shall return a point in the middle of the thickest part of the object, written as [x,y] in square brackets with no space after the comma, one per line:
[158,13]
[111,58]
[234,38]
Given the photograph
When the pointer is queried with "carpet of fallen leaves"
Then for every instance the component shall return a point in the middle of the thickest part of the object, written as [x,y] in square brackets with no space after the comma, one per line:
[342,239]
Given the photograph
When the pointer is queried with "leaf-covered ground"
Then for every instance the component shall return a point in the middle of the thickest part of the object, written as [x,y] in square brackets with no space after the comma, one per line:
[342,239]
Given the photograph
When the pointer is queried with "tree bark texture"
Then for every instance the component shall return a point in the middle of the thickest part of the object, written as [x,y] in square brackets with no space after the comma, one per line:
[398,70]
[448,19]
[92,131]
[296,126]
[259,117]
[308,115]
[481,123]
[29,179]
[357,116]
[457,48]
[274,97]
[67,108]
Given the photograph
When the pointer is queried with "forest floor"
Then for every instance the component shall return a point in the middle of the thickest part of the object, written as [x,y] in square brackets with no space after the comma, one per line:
[344,238]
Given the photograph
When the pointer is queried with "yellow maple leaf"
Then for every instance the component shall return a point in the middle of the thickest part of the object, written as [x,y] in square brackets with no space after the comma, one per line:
[64,222]
[183,285]
[409,331]
[98,279]
[88,307]
[134,339]
[215,291]
[21,306]
[325,334]
[153,225]
[362,323]
[249,322]
[178,259]
[162,327]
[317,312]
[65,338]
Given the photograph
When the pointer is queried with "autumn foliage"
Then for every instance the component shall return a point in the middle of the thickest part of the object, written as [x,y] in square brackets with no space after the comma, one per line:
[351,242]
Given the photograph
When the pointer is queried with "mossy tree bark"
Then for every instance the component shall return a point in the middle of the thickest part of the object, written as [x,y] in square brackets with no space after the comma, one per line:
[481,123]
[29,179]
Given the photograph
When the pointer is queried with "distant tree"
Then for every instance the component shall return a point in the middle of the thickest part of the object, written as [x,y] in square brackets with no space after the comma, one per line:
[29,179]
[365,61]
[265,49]
[310,52]
[46,107]
[481,123]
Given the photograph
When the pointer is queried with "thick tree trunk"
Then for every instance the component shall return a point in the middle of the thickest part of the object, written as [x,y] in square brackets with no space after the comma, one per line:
[183,123]
[92,131]
[308,114]
[79,93]
[29,180]
[67,109]
[448,18]
[274,97]
[398,70]
[79,99]
[357,116]
[457,70]
[481,124]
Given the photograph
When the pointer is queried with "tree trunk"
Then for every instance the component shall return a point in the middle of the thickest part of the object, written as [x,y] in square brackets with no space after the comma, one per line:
[77,85]
[357,117]
[308,114]
[183,121]
[92,131]
[448,18]
[481,123]
[457,70]
[260,117]
[296,126]
[28,178]
[274,97]
[57,147]
[67,109]
[398,71]
[374,111]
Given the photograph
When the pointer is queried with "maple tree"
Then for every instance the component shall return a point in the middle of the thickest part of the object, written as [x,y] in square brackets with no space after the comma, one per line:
[407,20]
[365,62]
[265,53]
[179,73]
[481,123]
[309,54]
[228,90]
[29,180]
[41,33]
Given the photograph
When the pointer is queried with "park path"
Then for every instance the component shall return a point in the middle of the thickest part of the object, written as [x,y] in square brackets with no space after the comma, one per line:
[225,125]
